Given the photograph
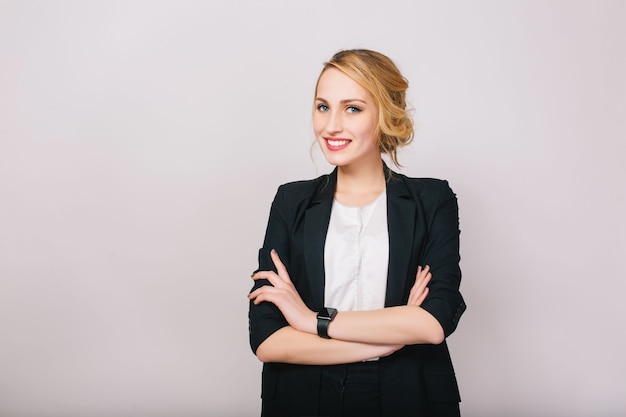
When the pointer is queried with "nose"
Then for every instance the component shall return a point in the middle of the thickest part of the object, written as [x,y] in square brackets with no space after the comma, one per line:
[334,123]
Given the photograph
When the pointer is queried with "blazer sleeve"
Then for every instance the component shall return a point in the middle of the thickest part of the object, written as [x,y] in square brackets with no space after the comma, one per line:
[441,252]
[265,318]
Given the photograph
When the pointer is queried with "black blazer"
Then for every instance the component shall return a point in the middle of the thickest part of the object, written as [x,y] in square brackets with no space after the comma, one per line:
[422,217]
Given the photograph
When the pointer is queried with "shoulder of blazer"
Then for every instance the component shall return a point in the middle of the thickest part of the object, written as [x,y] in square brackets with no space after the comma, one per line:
[421,189]
[308,192]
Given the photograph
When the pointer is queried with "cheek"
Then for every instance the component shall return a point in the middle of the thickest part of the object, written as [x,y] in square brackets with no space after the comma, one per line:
[368,133]
[374,132]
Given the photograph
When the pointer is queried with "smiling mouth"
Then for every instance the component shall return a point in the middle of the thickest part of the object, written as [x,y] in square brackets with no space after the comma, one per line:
[336,144]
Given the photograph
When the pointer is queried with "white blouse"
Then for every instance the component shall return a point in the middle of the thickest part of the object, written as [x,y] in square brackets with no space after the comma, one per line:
[356,255]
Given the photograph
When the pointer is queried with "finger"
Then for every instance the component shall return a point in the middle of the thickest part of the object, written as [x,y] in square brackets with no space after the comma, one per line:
[265,293]
[260,298]
[417,297]
[421,280]
[280,267]
[254,294]
[414,297]
[422,297]
[422,272]
[420,285]
[271,276]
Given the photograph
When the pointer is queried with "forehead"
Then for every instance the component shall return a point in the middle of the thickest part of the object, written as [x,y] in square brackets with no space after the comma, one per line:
[335,85]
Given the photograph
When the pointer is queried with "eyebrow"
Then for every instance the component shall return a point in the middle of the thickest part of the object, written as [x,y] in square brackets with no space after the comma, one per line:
[348,100]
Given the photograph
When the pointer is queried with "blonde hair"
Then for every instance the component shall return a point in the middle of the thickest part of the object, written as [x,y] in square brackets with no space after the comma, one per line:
[379,75]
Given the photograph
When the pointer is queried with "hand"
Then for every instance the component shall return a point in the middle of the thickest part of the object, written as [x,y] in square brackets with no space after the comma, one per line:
[284,295]
[419,291]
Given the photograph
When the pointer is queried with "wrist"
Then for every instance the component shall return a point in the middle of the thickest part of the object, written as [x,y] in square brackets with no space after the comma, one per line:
[312,323]
[324,317]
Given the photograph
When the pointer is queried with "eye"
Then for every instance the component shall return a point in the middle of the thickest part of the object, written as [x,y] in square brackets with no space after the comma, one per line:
[322,107]
[353,109]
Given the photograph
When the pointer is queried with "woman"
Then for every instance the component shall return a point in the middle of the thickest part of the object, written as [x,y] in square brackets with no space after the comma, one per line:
[344,317]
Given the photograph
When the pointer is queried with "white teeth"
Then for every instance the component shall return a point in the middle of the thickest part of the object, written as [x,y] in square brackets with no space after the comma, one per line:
[337,142]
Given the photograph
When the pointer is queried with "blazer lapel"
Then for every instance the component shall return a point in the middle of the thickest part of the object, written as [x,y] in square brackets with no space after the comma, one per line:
[316,220]
[401,224]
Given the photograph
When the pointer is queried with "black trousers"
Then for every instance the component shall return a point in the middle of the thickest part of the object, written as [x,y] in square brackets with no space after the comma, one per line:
[351,390]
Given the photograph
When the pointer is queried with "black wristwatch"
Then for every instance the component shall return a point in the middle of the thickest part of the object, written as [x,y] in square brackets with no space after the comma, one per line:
[324,317]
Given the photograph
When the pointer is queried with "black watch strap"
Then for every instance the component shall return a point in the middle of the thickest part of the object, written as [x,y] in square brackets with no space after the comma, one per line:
[324,317]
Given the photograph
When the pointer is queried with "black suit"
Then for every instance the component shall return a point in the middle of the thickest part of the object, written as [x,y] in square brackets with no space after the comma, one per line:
[422,217]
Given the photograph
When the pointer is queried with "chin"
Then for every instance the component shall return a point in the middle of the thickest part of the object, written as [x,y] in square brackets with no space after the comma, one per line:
[335,160]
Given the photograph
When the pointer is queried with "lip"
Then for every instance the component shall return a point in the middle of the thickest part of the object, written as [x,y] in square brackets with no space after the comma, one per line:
[336,144]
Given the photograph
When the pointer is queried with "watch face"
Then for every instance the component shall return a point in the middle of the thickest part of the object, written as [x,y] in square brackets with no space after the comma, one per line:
[328,313]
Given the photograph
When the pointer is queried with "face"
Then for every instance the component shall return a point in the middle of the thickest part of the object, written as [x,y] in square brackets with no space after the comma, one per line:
[345,120]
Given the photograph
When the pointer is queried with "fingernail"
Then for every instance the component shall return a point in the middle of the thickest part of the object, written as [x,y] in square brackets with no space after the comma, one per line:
[273,251]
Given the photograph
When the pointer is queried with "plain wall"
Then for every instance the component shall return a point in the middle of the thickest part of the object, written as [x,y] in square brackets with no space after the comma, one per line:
[141,144]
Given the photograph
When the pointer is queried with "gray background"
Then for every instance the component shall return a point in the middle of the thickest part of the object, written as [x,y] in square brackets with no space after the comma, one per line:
[141,143]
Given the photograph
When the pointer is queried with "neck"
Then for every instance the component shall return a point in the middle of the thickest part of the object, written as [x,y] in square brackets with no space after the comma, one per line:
[362,179]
